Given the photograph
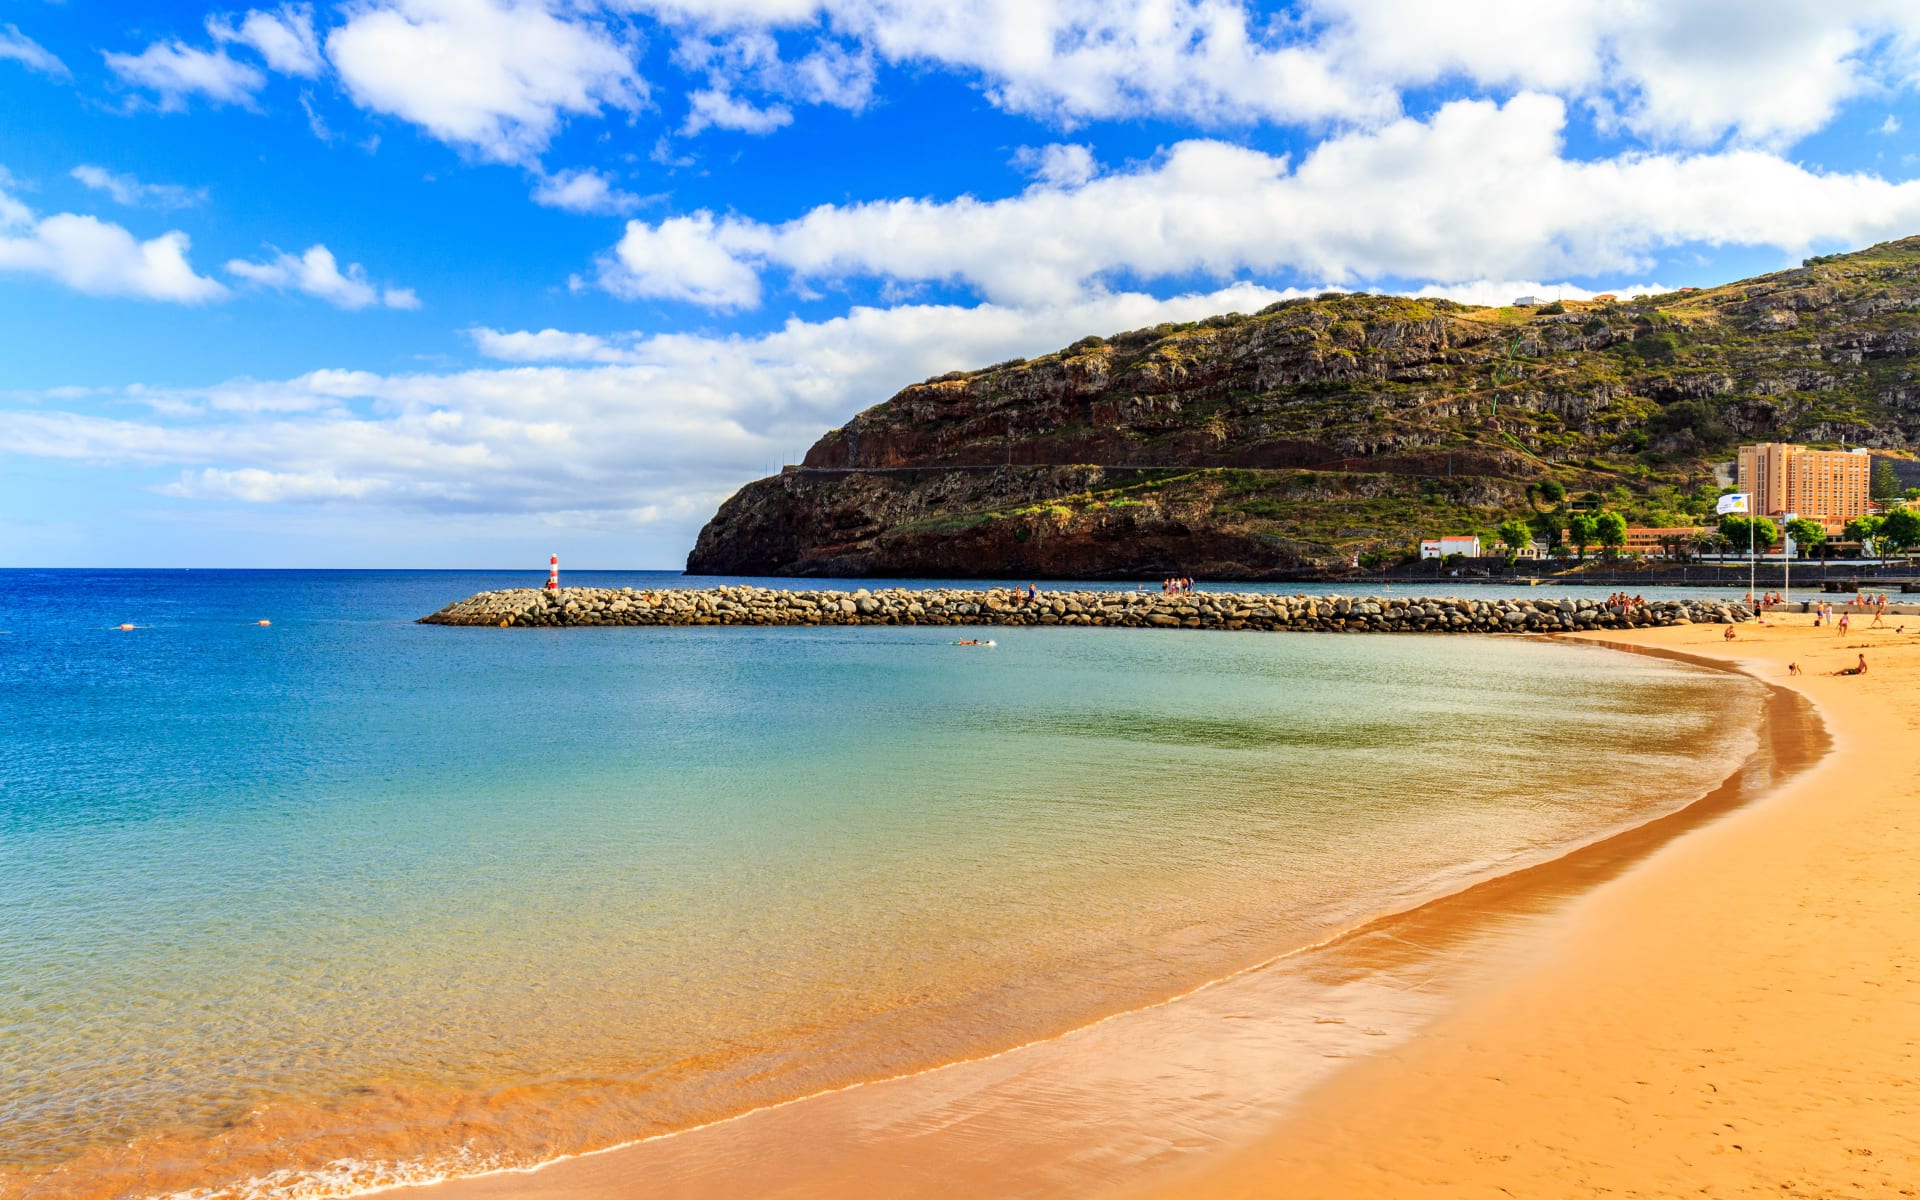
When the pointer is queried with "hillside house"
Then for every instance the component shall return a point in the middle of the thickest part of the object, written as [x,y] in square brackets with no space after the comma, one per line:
[1441,547]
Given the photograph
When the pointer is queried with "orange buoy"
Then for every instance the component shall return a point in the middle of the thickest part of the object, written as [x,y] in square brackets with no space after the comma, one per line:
[263,622]
[126,627]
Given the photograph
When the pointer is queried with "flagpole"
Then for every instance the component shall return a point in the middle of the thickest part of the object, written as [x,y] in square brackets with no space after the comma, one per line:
[1786,561]
[1750,587]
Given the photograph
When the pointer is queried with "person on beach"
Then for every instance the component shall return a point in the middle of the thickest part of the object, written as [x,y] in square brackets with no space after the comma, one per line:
[1859,670]
[1844,619]
[1729,635]
[1793,668]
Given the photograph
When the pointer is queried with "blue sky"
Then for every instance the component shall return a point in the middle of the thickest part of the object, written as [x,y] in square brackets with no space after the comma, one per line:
[462,282]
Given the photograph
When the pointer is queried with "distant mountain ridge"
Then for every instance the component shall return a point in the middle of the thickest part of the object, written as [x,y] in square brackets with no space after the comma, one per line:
[1289,441]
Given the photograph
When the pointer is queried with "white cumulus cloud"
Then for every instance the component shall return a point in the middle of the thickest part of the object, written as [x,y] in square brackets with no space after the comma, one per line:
[175,71]
[285,38]
[1479,190]
[681,258]
[584,191]
[493,76]
[717,109]
[317,273]
[99,258]
[1061,164]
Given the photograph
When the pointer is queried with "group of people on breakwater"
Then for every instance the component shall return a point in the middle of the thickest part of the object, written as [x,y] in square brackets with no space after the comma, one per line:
[1177,586]
[1621,602]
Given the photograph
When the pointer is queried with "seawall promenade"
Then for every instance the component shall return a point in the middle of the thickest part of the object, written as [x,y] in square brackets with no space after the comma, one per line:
[529,607]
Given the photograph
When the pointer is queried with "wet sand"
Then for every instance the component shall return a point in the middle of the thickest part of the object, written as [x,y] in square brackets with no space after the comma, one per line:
[1737,1016]
[1618,1020]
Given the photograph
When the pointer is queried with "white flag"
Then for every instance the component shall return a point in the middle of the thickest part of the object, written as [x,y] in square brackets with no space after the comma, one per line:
[1735,502]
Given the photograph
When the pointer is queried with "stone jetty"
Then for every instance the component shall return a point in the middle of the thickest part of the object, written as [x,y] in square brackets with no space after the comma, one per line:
[744,605]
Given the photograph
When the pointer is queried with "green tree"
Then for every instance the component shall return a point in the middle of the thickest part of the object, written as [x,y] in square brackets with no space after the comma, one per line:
[1611,528]
[1734,528]
[1516,535]
[1863,530]
[1582,532]
[1807,534]
[1552,492]
[1901,529]
[1886,483]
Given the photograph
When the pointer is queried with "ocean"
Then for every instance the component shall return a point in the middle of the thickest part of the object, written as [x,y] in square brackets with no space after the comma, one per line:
[314,906]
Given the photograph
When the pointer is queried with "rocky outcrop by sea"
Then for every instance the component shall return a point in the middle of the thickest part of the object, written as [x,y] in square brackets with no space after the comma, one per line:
[745,605]
[1287,444]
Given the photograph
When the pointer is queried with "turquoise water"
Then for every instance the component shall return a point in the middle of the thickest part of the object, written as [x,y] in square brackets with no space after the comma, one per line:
[408,900]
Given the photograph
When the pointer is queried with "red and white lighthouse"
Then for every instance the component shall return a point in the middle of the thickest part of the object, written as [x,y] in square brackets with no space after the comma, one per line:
[553,572]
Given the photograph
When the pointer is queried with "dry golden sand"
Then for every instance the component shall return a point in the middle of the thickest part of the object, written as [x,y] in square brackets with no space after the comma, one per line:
[1739,1015]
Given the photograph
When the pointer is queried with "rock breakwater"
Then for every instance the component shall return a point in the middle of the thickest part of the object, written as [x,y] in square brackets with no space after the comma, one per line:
[529,607]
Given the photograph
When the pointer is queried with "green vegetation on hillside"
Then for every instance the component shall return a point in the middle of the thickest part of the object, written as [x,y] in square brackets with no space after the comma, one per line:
[1355,424]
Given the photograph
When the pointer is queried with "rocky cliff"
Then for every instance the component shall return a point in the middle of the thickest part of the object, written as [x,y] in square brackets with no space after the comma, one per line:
[1290,441]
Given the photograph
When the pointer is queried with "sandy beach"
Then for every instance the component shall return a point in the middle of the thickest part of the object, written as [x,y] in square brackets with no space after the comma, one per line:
[1737,1016]
[1724,1003]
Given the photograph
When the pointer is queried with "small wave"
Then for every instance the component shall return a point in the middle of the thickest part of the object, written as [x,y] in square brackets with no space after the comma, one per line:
[345,1177]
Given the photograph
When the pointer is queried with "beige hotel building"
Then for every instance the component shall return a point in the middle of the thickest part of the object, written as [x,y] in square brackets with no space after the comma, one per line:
[1822,484]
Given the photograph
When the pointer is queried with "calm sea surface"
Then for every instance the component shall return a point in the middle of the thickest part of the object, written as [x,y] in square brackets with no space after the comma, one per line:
[306,908]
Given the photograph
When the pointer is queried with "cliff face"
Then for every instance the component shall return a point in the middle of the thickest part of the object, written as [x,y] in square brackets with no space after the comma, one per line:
[1288,441]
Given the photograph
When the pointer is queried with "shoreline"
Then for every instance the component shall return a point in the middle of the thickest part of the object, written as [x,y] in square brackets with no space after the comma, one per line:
[1739,1015]
[831,1142]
